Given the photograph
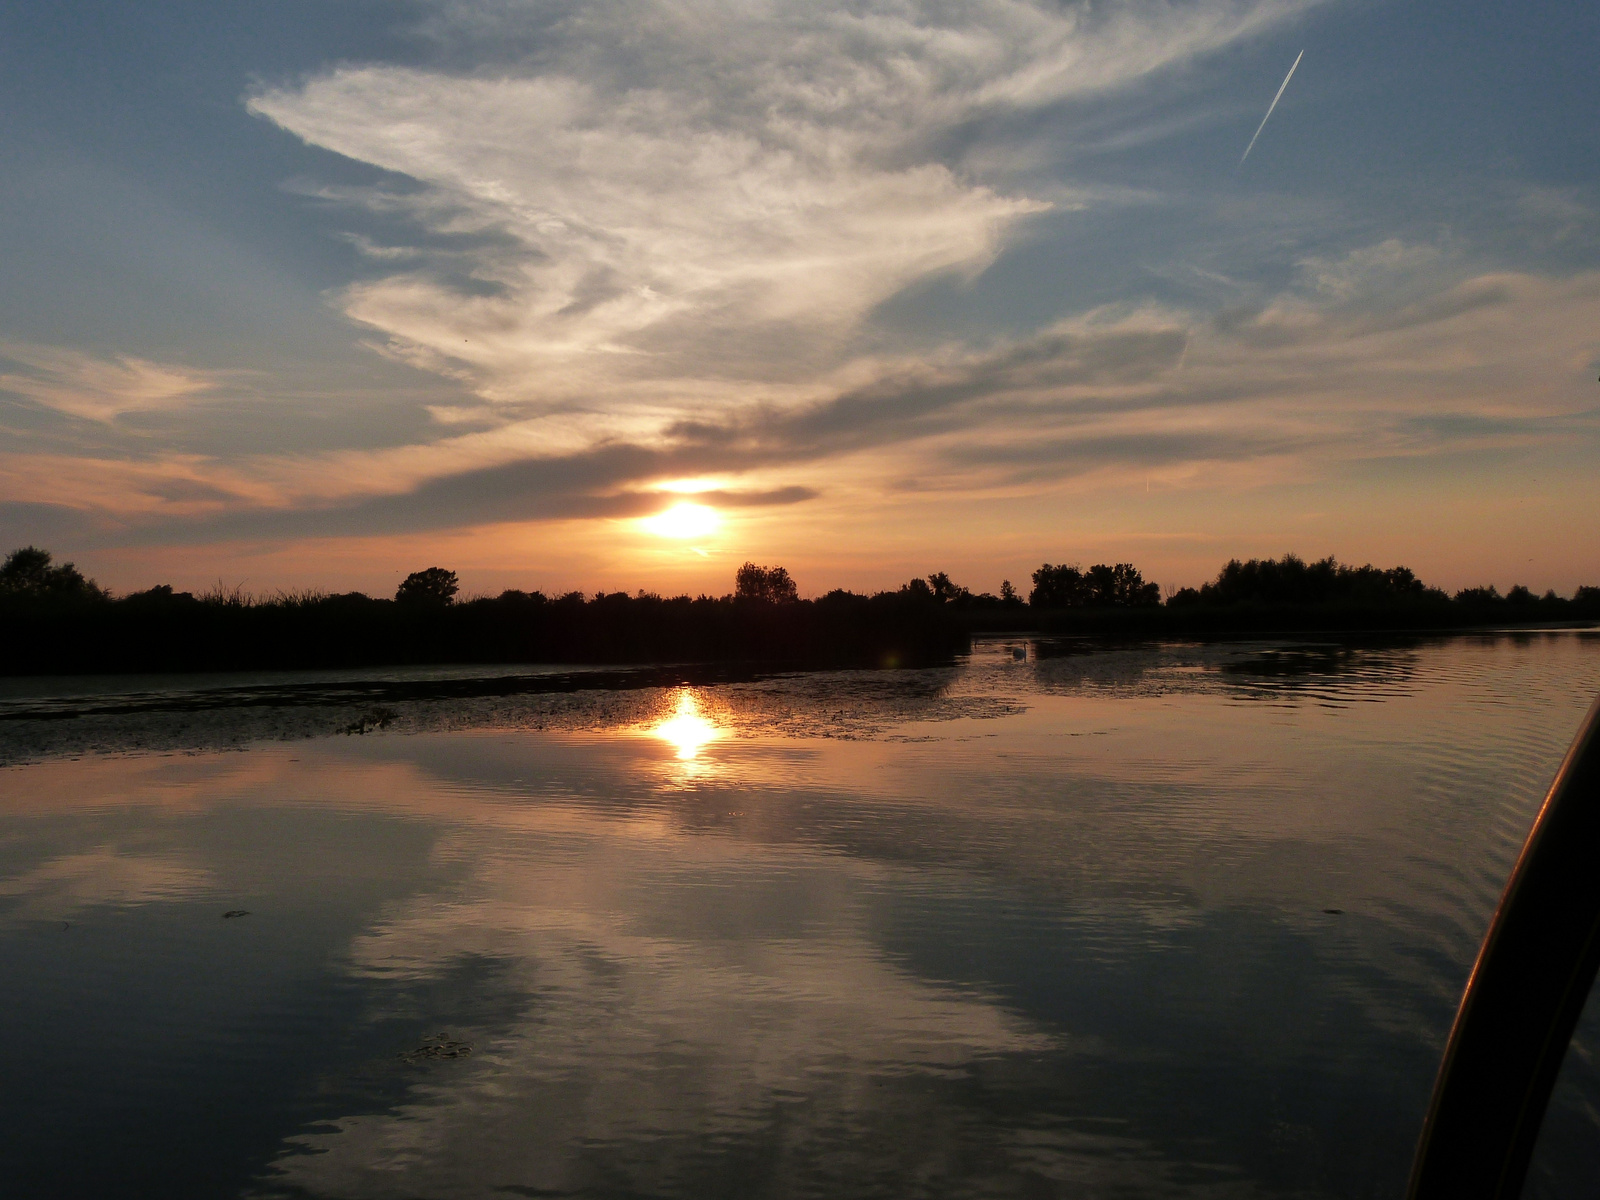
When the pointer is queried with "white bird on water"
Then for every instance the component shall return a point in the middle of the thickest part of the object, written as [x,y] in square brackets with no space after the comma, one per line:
[1270,107]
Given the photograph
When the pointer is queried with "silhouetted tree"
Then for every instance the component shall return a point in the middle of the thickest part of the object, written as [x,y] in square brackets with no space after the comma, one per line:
[1120,586]
[944,590]
[1104,585]
[433,586]
[770,584]
[1008,594]
[1292,580]
[1058,587]
[29,572]
[917,589]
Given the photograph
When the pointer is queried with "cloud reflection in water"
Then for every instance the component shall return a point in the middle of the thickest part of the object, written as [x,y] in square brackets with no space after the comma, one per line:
[1044,928]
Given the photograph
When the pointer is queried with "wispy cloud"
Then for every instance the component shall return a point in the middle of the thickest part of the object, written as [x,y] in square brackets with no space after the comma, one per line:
[637,242]
[1299,385]
[697,205]
[99,388]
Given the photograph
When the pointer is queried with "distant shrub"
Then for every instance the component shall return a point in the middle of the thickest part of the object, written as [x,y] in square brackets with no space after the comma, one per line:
[161,594]
[224,595]
[516,597]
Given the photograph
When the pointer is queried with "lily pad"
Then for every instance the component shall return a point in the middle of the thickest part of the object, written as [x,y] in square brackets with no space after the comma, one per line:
[437,1046]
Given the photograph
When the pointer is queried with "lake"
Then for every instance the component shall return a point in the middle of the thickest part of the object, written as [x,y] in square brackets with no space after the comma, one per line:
[1179,920]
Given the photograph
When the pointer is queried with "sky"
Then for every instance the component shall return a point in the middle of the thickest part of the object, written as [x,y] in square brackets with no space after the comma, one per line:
[578,294]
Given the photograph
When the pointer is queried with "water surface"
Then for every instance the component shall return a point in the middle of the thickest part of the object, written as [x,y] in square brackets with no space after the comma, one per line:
[1154,921]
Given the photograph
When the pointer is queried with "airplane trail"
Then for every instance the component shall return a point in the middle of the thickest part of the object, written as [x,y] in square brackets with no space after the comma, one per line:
[1270,107]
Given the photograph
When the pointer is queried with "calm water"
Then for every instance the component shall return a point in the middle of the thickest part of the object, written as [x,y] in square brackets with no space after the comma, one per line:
[1048,925]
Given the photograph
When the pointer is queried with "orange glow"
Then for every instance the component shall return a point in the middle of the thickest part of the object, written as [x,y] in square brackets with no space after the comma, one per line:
[690,486]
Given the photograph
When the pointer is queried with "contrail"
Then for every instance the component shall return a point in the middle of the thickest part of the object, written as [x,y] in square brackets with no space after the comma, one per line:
[1270,107]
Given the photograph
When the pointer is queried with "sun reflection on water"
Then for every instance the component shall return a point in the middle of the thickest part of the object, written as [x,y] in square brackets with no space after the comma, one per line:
[687,728]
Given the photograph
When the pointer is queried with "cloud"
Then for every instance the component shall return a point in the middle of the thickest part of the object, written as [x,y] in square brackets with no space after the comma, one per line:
[651,241]
[164,486]
[1372,272]
[646,250]
[693,207]
[100,388]
[1300,385]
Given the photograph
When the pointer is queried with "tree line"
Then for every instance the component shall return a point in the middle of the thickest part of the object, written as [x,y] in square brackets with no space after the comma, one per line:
[31,574]
[55,619]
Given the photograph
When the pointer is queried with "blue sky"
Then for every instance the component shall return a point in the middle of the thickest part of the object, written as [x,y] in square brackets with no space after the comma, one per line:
[304,294]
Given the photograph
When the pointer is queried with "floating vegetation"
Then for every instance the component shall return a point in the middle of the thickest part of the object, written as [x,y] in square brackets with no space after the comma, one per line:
[743,699]
[378,718]
[437,1045]
[233,913]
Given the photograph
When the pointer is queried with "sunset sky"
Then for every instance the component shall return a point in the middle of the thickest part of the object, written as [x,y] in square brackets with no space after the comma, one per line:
[318,292]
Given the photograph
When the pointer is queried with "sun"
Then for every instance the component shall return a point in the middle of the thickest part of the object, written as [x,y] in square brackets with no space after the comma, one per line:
[683,520]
